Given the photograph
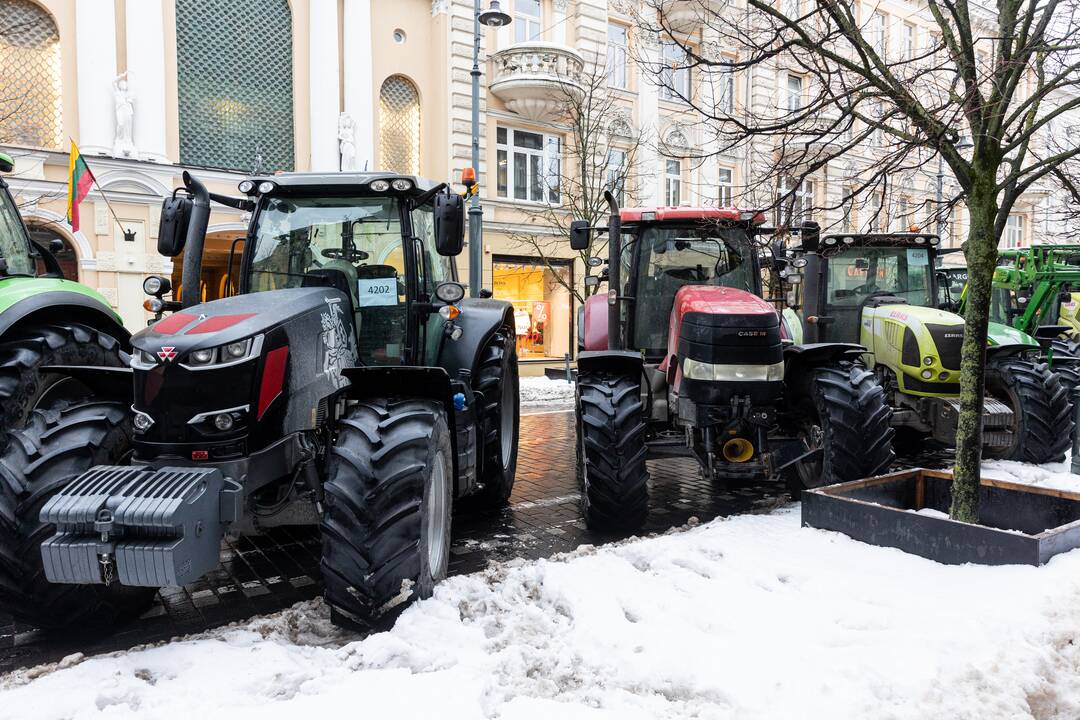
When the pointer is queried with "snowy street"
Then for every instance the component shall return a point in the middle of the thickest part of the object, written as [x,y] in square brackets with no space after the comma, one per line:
[750,617]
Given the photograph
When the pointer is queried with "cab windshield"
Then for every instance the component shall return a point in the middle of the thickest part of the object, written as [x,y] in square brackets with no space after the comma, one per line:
[671,257]
[296,236]
[1001,304]
[858,272]
[14,249]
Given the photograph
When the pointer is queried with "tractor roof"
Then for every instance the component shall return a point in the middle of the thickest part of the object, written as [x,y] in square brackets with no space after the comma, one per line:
[339,180]
[897,239]
[661,214]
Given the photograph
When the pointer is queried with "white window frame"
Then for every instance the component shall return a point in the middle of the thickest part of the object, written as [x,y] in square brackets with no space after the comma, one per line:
[849,222]
[910,41]
[795,86]
[672,182]
[725,187]
[1015,227]
[801,204]
[616,169]
[617,54]
[725,98]
[528,27]
[550,159]
[675,81]
[879,23]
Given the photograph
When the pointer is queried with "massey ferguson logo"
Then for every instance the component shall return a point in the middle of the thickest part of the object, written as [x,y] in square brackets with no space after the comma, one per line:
[167,353]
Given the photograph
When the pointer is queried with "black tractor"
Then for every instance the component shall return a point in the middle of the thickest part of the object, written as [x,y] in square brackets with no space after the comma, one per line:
[348,384]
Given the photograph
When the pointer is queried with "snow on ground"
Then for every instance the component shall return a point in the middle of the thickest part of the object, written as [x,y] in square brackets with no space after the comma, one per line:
[1053,475]
[544,391]
[749,617]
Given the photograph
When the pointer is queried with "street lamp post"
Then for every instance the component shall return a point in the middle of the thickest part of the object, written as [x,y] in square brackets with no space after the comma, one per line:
[493,17]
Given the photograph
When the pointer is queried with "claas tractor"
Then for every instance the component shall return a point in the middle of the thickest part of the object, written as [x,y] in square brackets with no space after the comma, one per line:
[349,385]
[880,290]
[46,322]
[683,357]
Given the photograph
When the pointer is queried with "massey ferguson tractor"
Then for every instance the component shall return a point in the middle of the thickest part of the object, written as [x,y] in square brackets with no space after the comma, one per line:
[684,358]
[880,290]
[348,385]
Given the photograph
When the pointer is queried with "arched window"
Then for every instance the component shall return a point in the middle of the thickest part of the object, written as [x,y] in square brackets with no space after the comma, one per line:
[30,79]
[234,81]
[399,126]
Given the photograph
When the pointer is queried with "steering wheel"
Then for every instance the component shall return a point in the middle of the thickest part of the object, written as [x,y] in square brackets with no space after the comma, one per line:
[353,256]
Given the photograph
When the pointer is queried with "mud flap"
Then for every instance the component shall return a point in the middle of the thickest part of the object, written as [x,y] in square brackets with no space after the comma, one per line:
[138,526]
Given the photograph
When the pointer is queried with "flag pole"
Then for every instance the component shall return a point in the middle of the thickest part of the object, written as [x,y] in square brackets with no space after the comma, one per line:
[105,198]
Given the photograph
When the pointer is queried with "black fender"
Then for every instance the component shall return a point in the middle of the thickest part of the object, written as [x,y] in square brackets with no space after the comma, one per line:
[64,306]
[1009,350]
[800,358]
[623,362]
[114,383]
[479,320]
[431,383]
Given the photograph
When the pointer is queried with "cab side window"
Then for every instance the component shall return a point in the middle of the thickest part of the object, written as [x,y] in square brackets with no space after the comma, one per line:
[434,268]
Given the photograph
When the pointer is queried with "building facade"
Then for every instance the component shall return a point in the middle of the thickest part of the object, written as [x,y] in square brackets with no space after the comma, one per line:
[150,88]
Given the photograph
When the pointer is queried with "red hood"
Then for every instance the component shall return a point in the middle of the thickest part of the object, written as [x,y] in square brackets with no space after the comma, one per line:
[711,300]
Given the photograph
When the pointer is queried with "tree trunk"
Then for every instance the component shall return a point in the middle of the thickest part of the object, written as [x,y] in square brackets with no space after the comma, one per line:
[980,251]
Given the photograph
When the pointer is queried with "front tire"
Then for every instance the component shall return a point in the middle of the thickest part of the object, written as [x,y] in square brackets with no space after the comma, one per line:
[844,412]
[386,520]
[612,475]
[1041,410]
[500,418]
[25,386]
[54,448]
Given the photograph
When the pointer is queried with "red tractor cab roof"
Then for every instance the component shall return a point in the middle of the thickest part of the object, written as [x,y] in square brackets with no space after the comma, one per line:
[662,214]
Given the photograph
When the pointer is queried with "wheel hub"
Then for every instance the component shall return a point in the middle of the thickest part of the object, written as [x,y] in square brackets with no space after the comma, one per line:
[435,523]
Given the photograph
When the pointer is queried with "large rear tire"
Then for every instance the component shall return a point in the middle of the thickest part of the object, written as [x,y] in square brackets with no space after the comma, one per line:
[386,520]
[612,475]
[500,417]
[844,413]
[1041,409]
[54,448]
[23,353]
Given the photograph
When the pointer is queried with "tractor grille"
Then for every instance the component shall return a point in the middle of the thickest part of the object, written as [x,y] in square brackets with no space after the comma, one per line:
[948,340]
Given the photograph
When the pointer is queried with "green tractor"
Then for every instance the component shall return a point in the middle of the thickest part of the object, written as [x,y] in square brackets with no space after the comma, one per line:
[46,323]
[880,290]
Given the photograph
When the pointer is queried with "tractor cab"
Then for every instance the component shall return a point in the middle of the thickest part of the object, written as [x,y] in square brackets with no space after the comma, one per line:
[18,253]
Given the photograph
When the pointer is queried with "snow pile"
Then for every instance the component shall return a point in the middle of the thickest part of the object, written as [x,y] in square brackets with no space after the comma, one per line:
[544,391]
[1051,475]
[752,617]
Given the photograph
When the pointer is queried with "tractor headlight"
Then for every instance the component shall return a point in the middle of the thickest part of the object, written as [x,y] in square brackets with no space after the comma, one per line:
[379,186]
[928,360]
[401,185]
[799,262]
[722,372]
[830,241]
[927,374]
[266,187]
[224,355]
[246,186]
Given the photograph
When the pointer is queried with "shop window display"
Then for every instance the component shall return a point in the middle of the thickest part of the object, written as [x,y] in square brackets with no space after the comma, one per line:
[542,305]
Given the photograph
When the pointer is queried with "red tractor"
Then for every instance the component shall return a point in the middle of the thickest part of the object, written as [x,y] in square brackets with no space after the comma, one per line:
[683,357]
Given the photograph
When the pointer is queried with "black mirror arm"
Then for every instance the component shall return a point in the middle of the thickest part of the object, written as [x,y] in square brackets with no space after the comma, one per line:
[424,199]
[238,203]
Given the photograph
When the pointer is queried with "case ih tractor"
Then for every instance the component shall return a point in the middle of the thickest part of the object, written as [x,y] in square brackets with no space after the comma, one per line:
[683,358]
[347,385]
[880,290]
[46,322]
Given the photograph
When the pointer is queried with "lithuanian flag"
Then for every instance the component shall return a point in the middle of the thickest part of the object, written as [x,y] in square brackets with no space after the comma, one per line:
[79,179]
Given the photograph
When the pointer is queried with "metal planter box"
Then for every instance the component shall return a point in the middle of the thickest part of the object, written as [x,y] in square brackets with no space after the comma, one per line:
[1018,524]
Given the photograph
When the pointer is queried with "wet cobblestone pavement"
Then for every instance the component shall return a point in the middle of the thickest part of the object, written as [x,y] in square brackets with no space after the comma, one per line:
[263,574]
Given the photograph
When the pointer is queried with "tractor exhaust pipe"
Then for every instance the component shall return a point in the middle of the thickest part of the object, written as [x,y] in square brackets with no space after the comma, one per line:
[615,338]
[195,239]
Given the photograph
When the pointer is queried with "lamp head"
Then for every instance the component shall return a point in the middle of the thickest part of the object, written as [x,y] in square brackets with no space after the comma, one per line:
[494,16]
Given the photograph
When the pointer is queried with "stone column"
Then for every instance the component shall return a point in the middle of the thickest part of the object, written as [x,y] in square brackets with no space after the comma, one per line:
[360,100]
[95,48]
[323,80]
[146,76]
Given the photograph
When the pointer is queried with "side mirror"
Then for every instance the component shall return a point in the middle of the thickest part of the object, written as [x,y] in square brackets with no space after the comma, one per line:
[1065,296]
[56,245]
[810,234]
[6,163]
[172,231]
[779,256]
[449,224]
[580,235]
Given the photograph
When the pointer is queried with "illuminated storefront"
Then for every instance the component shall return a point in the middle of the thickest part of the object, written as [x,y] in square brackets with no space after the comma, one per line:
[542,304]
